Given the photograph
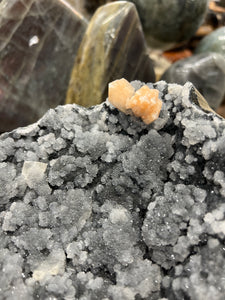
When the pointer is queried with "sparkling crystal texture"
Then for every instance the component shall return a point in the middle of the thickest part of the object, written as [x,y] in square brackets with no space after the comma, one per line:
[101,205]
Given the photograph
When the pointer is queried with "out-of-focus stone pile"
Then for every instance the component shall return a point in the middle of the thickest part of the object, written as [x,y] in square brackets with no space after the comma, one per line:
[96,204]
[69,50]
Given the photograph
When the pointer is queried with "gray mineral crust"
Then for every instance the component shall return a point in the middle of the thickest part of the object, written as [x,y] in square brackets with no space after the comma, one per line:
[97,205]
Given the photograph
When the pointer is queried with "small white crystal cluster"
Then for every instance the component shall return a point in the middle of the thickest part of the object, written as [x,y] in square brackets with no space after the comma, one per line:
[95,204]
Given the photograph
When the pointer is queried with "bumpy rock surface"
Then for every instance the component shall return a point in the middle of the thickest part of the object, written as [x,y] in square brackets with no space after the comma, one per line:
[38,41]
[97,205]
[113,47]
[205,70]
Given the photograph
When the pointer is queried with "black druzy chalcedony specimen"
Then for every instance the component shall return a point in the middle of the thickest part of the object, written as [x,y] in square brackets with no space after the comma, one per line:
[95,204]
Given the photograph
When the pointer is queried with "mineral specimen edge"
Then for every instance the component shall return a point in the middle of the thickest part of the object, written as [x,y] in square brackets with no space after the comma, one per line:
[97,204]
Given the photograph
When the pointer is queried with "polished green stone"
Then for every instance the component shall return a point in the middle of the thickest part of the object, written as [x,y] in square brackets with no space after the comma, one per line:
[113,47]
[214,42]
[38,44]
[170,22]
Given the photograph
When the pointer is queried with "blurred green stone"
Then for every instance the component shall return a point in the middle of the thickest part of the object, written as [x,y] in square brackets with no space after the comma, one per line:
[214,42]
[206,71]
[170,22]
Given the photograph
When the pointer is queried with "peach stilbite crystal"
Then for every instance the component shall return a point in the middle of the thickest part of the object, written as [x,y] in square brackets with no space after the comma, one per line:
[119,92]
[144,103]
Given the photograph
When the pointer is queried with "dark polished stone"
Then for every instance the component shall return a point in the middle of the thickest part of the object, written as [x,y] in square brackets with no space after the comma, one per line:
[221,3]
[113,47]
[92,5]
[206,71]
[38,43]
[168,22]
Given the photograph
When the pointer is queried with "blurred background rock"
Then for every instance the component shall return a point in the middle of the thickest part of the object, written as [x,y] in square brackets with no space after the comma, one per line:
[113,47]
[206,70]
[38,44]
[168,23]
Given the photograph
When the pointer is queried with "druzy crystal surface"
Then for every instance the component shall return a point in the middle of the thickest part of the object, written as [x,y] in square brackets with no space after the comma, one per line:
[95,204]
